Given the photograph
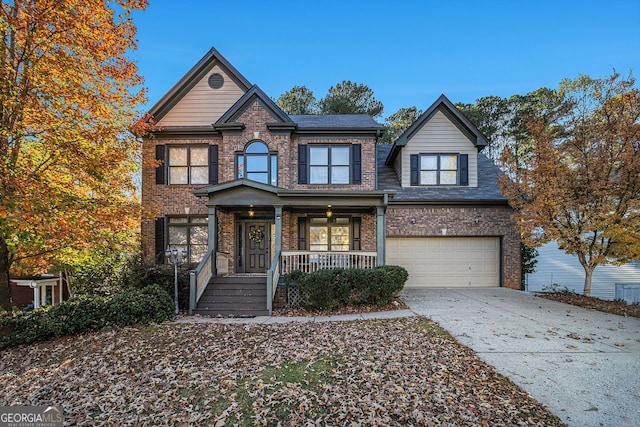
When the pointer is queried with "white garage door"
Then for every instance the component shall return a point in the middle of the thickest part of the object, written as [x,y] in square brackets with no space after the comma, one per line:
[447,261]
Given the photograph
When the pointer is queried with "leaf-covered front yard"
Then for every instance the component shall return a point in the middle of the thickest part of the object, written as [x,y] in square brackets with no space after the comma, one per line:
[379,372]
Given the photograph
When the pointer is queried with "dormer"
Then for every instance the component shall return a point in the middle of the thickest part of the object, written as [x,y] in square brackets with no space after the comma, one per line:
[439,150]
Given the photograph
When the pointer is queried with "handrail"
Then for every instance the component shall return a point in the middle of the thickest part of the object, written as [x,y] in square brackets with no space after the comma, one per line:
[199,279]
[273,277]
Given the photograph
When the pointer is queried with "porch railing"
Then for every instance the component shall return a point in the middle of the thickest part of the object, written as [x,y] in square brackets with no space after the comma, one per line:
[309,261]
[273,277]
[199,279]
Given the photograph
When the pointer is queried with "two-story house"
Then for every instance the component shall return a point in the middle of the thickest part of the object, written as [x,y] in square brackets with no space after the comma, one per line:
[253,193]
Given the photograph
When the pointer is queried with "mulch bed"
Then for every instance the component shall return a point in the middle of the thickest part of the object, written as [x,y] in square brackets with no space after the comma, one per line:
[615,307]
[396,304]
[396,372]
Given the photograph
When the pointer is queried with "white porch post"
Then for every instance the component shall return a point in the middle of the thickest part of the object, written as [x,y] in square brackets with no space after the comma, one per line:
[212,241]
[381,234]
[36,296]
[60,288]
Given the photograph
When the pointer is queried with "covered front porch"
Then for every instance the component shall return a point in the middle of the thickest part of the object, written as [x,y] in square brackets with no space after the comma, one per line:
[258,230]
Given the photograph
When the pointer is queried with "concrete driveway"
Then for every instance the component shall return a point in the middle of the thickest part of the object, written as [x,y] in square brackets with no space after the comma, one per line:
[583,364]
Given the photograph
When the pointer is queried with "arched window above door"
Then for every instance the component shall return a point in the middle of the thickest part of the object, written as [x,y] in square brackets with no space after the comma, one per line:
[257,163]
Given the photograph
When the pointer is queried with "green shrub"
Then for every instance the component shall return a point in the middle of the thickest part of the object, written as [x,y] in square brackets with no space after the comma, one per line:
[358,282]
[387,283]
[320,286]
[151,304]
[86,312]
[115,272]
[328,289]
[79,313]
[295,276]
[147,275]
[105,273]
[556,289]
[23,327]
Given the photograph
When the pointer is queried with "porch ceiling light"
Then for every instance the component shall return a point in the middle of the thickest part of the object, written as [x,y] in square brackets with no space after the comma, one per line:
[329,213]
[251,212]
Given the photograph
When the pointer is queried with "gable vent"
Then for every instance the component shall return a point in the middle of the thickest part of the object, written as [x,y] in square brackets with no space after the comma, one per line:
[215,81]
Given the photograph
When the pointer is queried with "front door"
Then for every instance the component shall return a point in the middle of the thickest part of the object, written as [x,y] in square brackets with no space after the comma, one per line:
[253,256]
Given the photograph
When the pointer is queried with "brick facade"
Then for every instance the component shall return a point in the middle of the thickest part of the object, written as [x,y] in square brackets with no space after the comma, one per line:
[368,167]
[160,200]
[21,296]
[415,219]
[492,221]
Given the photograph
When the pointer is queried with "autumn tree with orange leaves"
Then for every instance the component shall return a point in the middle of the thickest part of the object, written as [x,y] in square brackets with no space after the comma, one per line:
[579,184]
[68,96]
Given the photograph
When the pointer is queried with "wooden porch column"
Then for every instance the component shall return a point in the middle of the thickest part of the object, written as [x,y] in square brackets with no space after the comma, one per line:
[212,241]
[381,234]
[278,245]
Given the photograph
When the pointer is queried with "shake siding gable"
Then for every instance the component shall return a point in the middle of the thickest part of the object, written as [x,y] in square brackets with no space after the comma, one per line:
[439,135]
[202,106]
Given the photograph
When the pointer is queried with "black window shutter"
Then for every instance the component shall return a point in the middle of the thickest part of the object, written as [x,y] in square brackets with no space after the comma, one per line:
[356,165]
[213,164]
[464,169]
[414,161]
[161,170]
[302,164]
[302,234]
[355,232]
[159,241]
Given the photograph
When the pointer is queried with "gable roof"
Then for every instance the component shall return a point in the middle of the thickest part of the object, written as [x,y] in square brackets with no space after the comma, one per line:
[487,192]
[236,183]
[253,94]
[448,109]
[193,76]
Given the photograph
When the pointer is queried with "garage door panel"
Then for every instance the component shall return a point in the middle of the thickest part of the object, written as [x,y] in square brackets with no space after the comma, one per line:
[447,261]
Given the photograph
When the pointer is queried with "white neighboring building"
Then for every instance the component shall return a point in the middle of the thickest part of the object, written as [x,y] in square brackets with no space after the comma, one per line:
[555,266]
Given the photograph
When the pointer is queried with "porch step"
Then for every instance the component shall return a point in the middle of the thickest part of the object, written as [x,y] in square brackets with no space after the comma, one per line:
[234,296]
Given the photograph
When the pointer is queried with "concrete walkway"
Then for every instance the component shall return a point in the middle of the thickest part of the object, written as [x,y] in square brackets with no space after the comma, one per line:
[583,364]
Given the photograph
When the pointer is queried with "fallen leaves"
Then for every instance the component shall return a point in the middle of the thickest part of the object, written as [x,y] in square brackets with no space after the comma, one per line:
[377,372]
[620,308]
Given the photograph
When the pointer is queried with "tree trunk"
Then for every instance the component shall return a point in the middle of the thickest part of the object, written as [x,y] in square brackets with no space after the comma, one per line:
[588,273]
[5,286]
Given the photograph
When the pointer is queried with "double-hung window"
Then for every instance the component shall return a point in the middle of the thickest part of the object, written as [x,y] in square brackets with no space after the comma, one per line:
[329,234]
[188,165]
[329,164]
[190,233]
[437,169]
[257,164]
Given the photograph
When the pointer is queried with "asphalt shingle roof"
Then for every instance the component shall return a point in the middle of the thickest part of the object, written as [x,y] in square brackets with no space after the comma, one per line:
[487,191]
[335,121]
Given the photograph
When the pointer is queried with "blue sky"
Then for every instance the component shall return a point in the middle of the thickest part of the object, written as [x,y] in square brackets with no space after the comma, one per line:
[408,52]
